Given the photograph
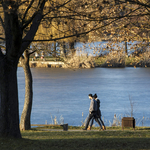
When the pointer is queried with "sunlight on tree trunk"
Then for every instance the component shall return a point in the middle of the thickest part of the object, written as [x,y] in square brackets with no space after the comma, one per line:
[26,113]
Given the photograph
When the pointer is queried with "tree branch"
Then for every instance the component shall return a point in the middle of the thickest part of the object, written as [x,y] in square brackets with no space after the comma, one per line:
[58,7]
[32,52]
[33,16]
[114,19]
[137,2]
[33,28]
[29,21]
[27,11]
[1,20]
[2,39]
[77,34]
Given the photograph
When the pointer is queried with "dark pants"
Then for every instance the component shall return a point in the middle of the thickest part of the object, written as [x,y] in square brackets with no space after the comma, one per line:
[92,115]
[99,119]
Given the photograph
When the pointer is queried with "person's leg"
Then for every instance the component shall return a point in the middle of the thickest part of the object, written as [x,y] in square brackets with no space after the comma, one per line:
[91,123]
[104,128]
[96,119]
[88,120]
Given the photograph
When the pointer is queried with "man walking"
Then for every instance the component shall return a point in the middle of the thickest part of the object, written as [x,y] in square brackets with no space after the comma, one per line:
[98,114]
[92,112]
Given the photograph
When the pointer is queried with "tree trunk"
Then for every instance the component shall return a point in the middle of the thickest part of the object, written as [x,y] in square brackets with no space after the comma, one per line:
[71,46]
[13,26]
[63,49]
[26,113]
[9,112]
[54,51]
[126,48]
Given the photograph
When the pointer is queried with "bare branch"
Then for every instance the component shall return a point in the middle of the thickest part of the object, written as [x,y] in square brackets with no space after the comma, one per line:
[30,20]
[2,39]
[136,2]
[58,7]
[32,52]
[77,34]
[27,11]
[1,20]
[33,29]
[33,16]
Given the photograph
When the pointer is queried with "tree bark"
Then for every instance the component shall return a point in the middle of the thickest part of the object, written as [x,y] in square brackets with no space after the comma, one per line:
[26,113]
[9,112]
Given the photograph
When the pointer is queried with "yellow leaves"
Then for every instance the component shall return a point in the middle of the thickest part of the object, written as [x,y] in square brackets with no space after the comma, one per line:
[9,7]
[121,6]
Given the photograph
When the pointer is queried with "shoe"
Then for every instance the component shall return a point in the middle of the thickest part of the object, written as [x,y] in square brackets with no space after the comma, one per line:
[89,128]
[104,128]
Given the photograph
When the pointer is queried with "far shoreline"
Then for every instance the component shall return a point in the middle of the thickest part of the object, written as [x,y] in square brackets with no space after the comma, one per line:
[59,64]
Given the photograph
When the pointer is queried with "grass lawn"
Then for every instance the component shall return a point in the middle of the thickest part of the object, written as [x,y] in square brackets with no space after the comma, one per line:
[112,138]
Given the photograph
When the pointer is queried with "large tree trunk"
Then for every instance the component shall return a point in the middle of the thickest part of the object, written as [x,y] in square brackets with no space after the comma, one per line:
[9,112]
[26,113]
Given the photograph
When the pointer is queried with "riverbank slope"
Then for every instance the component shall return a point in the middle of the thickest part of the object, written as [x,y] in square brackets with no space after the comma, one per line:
[97,62]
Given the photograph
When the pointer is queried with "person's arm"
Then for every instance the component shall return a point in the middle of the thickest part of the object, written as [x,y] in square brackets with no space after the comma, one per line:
[91,106]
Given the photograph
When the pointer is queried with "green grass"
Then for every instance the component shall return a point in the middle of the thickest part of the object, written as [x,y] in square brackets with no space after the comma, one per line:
[129,61]
[100,60]
[112,138]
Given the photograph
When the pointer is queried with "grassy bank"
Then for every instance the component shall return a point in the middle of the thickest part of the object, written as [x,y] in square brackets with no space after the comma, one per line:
[122,62]
[113,138]
[112,60]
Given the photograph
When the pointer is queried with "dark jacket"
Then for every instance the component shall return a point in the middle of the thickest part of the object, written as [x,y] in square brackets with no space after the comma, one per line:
[98,107]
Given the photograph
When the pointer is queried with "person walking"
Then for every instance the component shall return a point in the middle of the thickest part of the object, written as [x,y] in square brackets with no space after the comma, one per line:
[98,114]
[92,112]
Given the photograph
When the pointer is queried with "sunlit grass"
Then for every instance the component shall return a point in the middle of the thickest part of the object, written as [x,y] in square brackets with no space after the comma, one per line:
[112,138]
[129,62]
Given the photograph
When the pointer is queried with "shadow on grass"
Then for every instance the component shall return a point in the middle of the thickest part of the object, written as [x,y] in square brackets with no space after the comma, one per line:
[75,144]
[144,128]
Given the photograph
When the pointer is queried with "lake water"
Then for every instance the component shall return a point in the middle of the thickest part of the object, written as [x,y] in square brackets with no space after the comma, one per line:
[63,93]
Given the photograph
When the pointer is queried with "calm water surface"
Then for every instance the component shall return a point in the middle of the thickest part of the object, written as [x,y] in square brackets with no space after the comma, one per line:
[64,93]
